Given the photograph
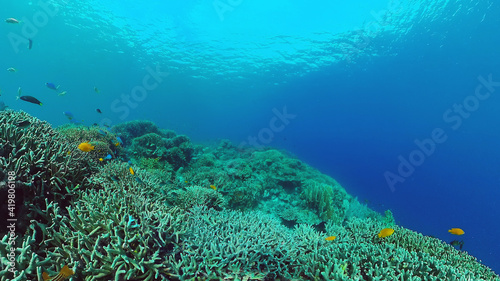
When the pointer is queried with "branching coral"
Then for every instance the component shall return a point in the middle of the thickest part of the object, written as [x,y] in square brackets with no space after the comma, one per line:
[43,164]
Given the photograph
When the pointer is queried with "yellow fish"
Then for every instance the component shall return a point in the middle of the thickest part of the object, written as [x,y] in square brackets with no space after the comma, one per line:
[131,171]
[117,144]
[69,152]
[63,274]
[330,238]
[100,159]
[456,231]
[213,187]
[85,147]
[385,232]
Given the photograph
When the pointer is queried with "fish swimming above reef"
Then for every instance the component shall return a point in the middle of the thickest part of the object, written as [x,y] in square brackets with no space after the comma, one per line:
[457,243]
[213,187]
[52,86]
[11,69]
[85,147]
[386,232]
[30,99]
[98,110]
[96,90]
[456,231]
[23,124]
[69,115]
[330,238]
[12,20]
[63,93]
[131,171]
[3,106]
[30,44]
[63,274]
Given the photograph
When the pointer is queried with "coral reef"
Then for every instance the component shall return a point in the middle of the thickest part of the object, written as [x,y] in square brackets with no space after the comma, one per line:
[44,165]
[183,212]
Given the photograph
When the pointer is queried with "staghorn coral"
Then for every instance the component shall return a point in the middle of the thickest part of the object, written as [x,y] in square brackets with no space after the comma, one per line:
[119,230]
[43,164]
[197,195]
[254,246]
[119,226]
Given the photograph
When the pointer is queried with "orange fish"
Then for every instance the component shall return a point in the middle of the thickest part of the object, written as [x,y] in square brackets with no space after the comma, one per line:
[131,171]
[213,187]
[330,238]
[456,231]
[117,144]
[63,274]
[85,147]
[385,232]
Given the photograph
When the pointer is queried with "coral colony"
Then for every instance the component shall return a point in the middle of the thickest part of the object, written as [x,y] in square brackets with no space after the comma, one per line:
[142,203]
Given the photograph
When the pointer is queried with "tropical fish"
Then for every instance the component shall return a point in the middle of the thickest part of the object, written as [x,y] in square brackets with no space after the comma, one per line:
[12,20]
[385,232]
[100,159]
[115,178]
[101,132]
[30,43]
[98,110]
[213,187]
[85,147]
[52,86]
[96,90]
[457,243]
[108,157]
[456,231]
[330,238]
[68,114]
[131,171]
[19,91]
[63,93]
[63,274]
[2,106]
[30,99]
[23,124]
[11,69]
[119,140]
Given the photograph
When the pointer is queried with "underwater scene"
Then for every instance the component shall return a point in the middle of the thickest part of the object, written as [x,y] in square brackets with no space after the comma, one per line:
[249,140]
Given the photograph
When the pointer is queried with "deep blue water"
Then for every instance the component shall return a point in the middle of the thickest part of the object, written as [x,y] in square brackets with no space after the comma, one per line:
[359,100]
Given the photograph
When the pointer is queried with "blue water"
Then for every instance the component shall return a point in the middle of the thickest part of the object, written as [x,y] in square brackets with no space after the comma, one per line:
[359,100]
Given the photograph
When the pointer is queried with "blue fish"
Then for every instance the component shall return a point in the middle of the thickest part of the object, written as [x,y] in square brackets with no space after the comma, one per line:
[119,140]
[108,157]
[69,115]
[52,86]
[102,132]
[76,122]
